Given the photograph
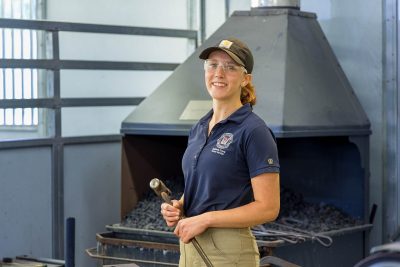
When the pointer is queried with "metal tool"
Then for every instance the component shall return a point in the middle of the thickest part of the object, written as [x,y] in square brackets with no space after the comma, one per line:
[268,260]
[162,190]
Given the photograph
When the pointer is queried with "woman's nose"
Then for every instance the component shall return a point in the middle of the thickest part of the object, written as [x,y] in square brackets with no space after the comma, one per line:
[220,71]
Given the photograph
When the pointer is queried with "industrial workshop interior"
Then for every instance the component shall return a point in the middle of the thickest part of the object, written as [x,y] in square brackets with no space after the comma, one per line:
[98,97]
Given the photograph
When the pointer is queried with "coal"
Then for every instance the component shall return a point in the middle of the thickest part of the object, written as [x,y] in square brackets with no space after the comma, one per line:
[312,217]
[295,212]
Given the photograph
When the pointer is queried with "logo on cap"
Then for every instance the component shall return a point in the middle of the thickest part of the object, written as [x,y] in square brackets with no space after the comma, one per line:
[225,44]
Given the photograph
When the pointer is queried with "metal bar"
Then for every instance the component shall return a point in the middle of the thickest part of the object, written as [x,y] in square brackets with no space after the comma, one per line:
[202,20]
[114,65]
[85,64]
[93,253]
[41,260]
[22,74]
[91,139]
[57,162]
[70,102]
[192,19]
[3,54]
[41,142]
[26,103]
[275,261]
[37,142]
[12,72]
[106,240]
[227,8]
[391,125]
[57,170]
[95,28]
[88,102]
[31,71]
[56,83]
[396,233]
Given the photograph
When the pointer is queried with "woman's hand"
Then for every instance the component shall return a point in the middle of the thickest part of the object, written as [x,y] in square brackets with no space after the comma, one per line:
[171,213]
[188,228]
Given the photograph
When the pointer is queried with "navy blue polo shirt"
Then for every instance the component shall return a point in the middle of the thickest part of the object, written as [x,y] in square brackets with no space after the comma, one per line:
[218,168]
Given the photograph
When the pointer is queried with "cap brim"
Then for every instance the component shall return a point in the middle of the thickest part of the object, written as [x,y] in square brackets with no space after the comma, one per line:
[206,52]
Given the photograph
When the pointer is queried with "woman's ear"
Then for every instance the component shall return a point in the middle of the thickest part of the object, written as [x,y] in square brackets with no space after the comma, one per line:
[246,80]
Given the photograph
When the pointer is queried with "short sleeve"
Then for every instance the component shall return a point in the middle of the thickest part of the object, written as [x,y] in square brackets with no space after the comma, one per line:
[261,152]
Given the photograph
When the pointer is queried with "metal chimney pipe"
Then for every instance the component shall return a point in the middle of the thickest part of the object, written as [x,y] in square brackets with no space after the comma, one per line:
[294,4]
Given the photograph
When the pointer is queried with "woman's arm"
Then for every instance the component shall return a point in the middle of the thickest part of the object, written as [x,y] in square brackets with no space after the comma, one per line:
[264,208]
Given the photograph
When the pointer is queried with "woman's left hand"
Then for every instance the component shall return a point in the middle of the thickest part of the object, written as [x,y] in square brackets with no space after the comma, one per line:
[188,228]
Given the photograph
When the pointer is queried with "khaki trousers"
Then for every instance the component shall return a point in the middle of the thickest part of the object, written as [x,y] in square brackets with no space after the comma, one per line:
[224,247]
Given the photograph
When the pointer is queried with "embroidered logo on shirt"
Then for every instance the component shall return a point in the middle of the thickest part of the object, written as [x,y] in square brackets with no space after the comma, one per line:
[270,161]
[223,143]
[225,140]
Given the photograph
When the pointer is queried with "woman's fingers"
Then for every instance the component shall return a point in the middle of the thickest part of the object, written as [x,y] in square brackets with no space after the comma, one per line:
[170,214]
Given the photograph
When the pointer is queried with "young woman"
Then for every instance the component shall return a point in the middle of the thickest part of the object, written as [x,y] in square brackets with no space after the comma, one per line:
[230,167]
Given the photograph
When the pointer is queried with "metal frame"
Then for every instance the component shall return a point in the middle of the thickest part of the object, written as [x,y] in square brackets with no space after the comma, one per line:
[202,21]
[56,103]
[391,126]
[227,8]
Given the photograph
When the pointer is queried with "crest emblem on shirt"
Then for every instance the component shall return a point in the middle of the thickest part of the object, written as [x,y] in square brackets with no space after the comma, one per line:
[225,140]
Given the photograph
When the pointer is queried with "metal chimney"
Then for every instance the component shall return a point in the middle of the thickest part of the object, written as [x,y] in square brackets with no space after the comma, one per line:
[301,88]
[294,4]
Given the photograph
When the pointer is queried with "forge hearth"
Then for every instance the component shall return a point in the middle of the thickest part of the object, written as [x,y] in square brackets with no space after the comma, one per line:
[324,191]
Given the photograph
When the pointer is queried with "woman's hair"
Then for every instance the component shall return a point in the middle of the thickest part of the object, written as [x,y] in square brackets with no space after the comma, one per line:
[248,94]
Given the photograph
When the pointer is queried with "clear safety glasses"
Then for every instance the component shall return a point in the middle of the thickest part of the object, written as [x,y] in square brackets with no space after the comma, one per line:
[228,67]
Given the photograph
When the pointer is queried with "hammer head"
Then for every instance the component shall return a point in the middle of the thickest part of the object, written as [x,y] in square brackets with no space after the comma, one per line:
[159,187]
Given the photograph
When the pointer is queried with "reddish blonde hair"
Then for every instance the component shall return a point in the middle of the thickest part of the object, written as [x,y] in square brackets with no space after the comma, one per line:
[248,94]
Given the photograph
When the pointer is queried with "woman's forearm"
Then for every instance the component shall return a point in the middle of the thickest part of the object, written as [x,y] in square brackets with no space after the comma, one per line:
[245,216]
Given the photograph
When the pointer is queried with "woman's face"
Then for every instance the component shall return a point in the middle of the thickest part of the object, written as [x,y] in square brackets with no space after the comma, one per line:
[224,78]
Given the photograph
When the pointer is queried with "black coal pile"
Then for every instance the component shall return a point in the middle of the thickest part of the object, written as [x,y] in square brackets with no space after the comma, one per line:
[295,213]
[146,215]
[312,217]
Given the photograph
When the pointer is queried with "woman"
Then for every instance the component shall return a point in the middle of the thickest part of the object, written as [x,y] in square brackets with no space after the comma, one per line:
[230,167]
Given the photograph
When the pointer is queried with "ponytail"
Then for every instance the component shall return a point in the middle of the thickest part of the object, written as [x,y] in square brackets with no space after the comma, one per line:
[248,94]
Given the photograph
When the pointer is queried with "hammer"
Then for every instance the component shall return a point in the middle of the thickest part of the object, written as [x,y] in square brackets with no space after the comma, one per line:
[163,191]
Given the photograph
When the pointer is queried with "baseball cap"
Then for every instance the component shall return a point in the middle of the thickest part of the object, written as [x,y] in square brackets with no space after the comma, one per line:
[236,49]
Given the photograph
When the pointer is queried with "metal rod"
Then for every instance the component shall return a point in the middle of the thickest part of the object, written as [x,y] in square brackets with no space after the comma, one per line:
[95,28]
[71,102]
[48,142]
[3,54]
[92,252]
[86,64]
[227,9]
[202,20]
[201,252]
[58,159]
[12,72]
[161,190]
[22,74]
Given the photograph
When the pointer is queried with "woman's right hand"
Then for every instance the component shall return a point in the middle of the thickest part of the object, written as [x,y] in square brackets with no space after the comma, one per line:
[171,213]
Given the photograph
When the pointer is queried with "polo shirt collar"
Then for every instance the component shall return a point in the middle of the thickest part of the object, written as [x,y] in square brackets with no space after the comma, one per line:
[238,116]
